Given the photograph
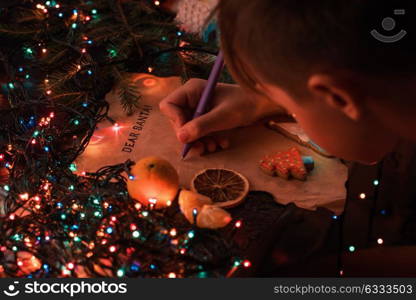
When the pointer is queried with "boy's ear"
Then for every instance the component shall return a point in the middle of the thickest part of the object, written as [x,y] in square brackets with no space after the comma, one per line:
[324,87]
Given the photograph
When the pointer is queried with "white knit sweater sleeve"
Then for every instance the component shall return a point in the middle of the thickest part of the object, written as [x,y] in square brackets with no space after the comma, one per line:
[193,14]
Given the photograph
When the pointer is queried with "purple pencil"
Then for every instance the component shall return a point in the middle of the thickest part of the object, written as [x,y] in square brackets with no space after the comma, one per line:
[207,94]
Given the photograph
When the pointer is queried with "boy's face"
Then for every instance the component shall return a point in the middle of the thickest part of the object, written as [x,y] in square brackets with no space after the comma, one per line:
[352,133]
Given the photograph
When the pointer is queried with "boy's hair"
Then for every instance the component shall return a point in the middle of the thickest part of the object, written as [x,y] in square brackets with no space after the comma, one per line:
[285,41]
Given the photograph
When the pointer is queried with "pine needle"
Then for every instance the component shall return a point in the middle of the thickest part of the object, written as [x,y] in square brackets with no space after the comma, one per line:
[130,96]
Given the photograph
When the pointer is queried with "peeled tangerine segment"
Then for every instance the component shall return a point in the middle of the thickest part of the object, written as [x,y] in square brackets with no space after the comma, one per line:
[188,201]
[208,216]
[212,217]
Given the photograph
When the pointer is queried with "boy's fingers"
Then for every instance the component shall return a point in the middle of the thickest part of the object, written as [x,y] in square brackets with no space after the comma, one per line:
[210,144]
[181,102]
[214,143]
[202,126]
[187,96]
[173,112]
[197,149]
[223,142]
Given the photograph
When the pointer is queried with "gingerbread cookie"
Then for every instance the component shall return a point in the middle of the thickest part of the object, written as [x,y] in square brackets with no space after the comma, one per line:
[286,164]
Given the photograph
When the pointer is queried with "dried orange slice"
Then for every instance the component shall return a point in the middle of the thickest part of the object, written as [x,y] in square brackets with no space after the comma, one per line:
[226,188]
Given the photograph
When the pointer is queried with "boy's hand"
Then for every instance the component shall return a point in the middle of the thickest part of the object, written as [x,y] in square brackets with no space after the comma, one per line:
[230,108]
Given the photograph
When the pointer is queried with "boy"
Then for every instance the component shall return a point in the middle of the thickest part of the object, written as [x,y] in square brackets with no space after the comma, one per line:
[351,92]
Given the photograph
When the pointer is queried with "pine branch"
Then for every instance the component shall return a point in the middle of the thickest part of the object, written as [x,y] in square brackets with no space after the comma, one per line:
[128,91]
[17,32]
[130,96]
[129,29]
[29,15]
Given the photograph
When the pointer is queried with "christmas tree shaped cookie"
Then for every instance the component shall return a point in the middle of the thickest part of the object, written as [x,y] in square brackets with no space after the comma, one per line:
[285,164]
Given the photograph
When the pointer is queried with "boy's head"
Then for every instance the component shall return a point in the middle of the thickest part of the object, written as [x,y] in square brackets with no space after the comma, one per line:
[319,59]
